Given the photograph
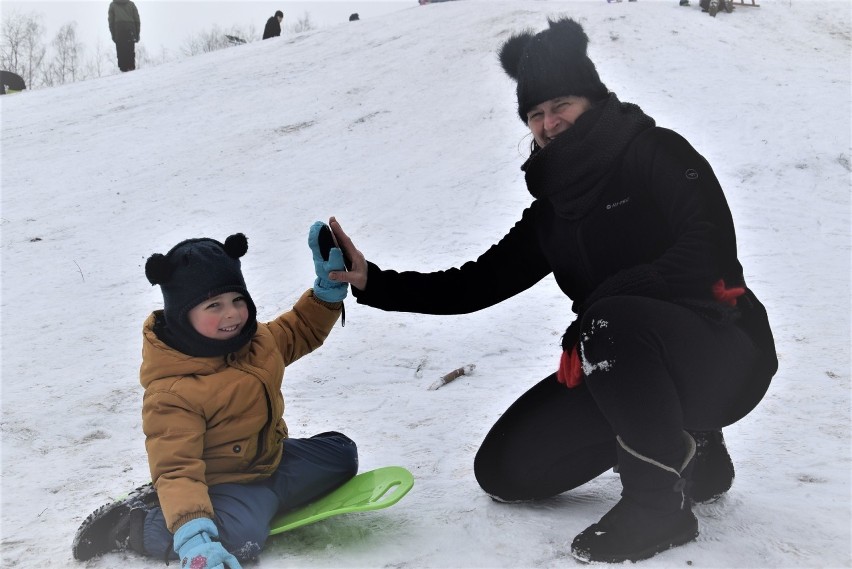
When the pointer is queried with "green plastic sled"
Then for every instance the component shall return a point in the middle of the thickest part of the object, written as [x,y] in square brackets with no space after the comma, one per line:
[367,491]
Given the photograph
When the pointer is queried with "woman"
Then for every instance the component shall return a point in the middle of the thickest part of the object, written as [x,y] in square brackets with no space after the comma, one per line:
[669,345]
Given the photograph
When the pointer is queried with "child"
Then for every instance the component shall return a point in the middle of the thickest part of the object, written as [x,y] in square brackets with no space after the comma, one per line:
[221,462]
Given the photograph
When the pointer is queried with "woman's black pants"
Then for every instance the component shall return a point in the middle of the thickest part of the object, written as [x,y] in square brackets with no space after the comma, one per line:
[652,370]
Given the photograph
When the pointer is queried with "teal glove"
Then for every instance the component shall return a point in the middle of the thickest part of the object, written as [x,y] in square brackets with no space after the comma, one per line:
[195,545]
[327,258]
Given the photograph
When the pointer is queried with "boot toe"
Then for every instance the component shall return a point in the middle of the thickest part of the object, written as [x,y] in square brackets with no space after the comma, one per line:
[713,473]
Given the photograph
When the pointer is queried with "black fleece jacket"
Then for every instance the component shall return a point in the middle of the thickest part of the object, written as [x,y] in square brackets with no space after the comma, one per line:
[660,228]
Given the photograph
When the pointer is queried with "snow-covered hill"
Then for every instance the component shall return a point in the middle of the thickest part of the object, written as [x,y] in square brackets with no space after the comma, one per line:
[405,128]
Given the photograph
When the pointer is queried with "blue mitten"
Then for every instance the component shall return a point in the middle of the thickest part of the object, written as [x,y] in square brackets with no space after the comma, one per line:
[327,258]
[195,545]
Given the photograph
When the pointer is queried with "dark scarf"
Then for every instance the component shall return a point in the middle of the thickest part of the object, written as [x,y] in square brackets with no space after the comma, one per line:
[573,169]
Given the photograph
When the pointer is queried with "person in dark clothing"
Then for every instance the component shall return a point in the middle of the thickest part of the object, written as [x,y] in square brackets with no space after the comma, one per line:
[713,7]
[124,26]
[669,344]
[273,25]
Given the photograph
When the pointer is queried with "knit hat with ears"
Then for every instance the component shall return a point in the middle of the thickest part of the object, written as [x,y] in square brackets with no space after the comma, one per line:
[552,63]
[193,271]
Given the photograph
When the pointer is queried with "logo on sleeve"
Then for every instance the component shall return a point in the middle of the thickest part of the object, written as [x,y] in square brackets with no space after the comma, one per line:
[691,174]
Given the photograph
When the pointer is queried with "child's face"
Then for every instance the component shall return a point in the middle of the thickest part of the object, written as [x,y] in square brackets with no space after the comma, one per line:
[221,317]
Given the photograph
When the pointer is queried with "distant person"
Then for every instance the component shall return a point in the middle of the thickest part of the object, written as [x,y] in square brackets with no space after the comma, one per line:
[124,25]
[273,25]
[354,17]
[712,7]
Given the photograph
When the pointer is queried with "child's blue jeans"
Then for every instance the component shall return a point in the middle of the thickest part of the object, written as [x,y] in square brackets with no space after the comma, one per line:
[309,469]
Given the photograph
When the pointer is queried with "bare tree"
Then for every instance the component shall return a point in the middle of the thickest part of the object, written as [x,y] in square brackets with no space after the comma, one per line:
[249,33]
[22,50]
[205,41]
[11,41]
[216,38]
[101,62]
[66,65]
[146,59]
[303,24]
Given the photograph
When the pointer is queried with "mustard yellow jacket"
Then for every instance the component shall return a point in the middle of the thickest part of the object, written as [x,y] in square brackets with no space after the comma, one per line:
[215,420]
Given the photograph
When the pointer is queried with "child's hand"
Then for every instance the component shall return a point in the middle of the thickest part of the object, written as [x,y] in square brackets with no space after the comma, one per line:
[327,258]
[195,543]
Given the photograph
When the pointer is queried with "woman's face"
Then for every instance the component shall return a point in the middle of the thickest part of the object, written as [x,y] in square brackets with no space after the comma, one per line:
[551,118]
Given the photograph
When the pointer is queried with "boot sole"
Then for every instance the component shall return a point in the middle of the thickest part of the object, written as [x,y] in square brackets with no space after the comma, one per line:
[92,538]
[681,539]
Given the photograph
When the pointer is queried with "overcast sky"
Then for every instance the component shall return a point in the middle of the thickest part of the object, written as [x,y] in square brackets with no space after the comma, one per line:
[167,23]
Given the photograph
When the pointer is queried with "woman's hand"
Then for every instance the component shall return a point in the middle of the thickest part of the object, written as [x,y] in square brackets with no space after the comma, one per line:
[357,273]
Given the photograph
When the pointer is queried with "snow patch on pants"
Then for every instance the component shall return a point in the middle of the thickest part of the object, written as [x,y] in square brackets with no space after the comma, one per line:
[589,367]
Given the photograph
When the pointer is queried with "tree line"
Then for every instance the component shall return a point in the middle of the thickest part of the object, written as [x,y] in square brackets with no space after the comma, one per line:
[43,62]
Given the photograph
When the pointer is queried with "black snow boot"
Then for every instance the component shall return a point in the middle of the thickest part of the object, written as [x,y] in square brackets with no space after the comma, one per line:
[653,515]
[116,526]
[713,473]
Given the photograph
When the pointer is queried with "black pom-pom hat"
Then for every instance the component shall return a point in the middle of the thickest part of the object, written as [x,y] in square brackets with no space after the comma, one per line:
[190,273]
[552,63]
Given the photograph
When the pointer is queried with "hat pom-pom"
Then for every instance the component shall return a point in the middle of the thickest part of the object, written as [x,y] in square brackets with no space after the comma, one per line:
[236,245]
[158,269]
[571,34]
[512,51]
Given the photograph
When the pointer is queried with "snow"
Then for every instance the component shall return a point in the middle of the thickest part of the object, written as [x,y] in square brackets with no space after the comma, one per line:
[405,128]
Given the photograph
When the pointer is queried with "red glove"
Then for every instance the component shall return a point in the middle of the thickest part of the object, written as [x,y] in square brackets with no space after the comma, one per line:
[726,295]
[570,369]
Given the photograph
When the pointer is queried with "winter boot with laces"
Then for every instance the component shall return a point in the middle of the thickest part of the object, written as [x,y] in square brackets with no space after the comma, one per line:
[713,473]
[116,526]
[653,515]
